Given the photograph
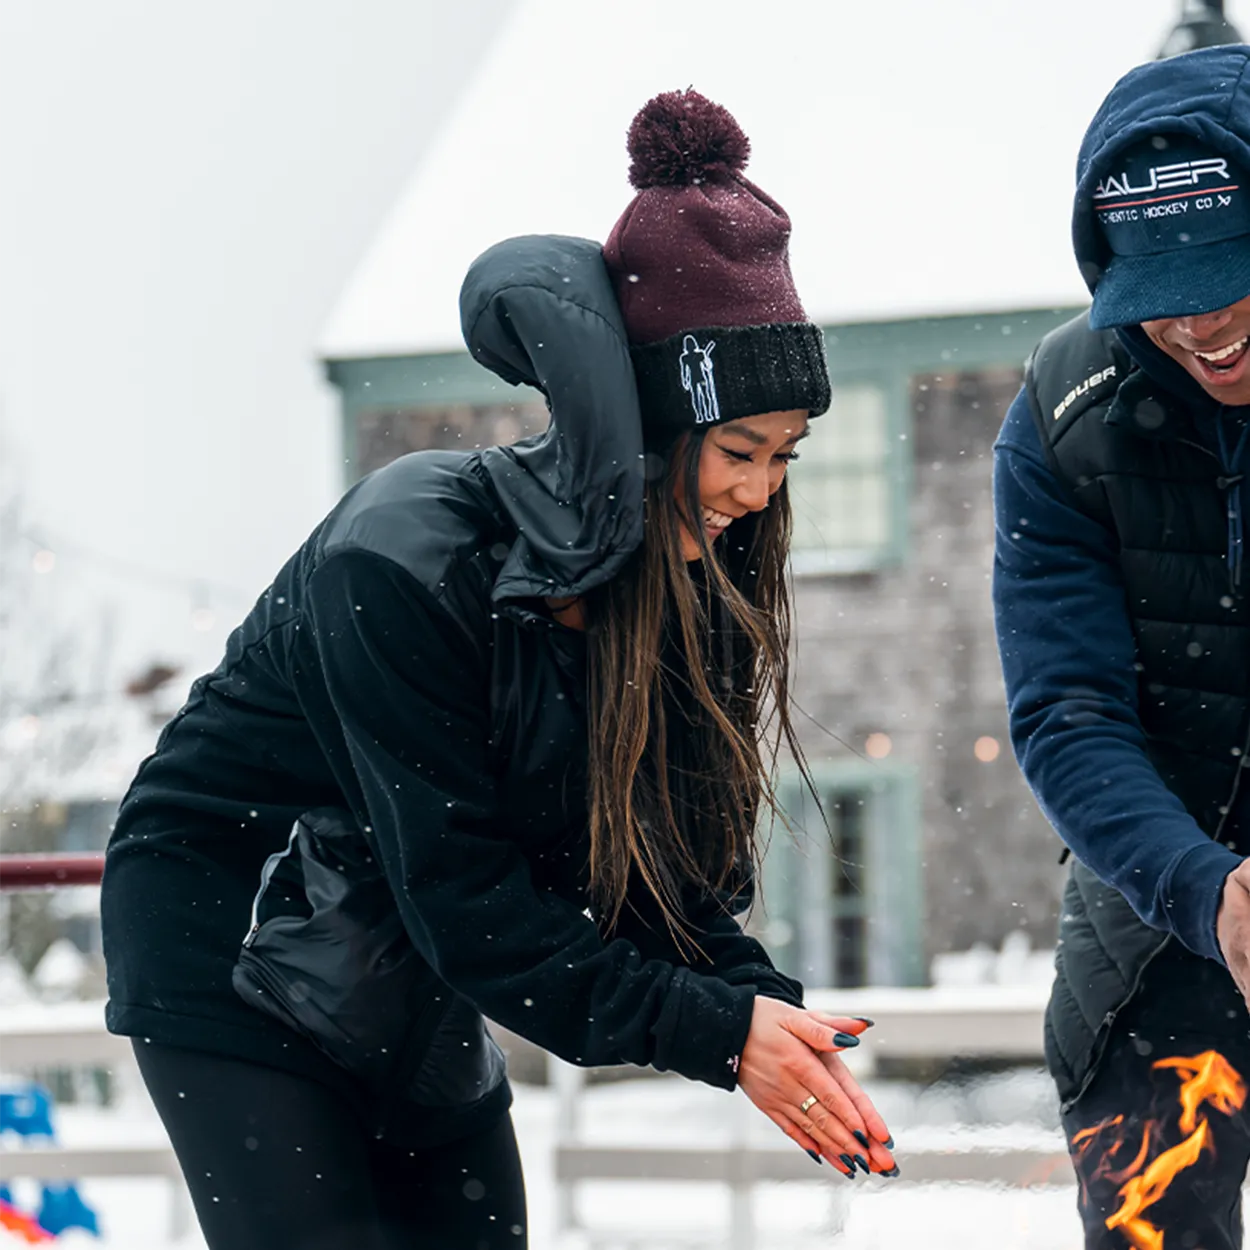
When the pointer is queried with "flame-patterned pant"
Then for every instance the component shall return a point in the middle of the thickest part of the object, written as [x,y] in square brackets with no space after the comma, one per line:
[1161,1138]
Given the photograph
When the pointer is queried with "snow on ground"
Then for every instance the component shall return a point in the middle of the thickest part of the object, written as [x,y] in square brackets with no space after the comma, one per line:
[1013,1109]
[852,1215]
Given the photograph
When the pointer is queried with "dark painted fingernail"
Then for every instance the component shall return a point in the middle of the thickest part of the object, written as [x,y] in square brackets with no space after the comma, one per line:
[864,1020]
[850,1164]
[811,1154]
[863,1163]
[862,1138]
[888,1143]
[845,1040]
[892,1172]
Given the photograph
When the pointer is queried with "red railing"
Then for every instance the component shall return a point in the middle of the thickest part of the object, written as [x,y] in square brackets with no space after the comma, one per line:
[41,872]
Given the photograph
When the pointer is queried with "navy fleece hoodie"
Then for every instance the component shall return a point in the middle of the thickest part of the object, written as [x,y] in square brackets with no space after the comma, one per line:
[1064,633]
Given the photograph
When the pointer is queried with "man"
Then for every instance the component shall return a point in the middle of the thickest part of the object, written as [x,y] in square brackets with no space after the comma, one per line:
[1123,616]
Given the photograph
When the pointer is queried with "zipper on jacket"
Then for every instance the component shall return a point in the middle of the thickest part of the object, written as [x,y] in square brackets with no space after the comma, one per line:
[1229,483]
[1108,1023]
[266,875]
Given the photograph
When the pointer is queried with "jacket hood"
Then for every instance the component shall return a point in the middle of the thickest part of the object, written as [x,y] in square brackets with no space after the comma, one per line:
[1165,371]
[1204,95]
[540,311]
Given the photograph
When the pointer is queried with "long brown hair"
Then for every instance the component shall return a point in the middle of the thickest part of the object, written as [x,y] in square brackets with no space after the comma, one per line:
[705,645]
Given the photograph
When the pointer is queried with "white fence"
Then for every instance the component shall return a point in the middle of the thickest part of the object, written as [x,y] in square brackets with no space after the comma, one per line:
[974,1022]
[72,1035]
[969,1021]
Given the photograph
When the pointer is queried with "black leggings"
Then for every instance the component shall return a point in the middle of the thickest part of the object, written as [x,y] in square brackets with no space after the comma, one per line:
[275,1160]
[1132,1113]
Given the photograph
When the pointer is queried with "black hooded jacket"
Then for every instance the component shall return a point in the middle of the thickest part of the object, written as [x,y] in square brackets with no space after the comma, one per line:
[401,667]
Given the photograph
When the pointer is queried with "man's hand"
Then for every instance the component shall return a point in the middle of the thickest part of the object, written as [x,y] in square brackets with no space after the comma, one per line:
[1232,926]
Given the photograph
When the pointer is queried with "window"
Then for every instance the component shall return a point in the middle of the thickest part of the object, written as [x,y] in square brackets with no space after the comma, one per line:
[847,884]
[843,894]
[845,485]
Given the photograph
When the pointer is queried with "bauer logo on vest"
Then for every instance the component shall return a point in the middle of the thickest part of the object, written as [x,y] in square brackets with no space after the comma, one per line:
[698,379]
[1094,379]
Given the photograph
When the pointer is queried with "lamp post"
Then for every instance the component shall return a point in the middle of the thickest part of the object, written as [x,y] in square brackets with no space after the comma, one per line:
[1202,24]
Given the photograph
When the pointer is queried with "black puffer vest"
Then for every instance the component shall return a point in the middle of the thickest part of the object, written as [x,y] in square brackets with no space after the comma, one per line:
[1130,454]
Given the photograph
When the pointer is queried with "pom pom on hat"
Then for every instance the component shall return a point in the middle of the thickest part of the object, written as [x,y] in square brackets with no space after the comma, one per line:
[681,138]
[700,264]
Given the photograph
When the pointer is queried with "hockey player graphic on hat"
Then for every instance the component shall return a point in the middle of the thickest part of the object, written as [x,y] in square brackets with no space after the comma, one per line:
[699,379]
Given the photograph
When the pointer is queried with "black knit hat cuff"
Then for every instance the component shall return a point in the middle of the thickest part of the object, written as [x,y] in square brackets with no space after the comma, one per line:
[720,373]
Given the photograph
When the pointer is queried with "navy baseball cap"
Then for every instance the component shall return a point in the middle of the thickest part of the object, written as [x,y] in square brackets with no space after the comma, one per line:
[1176,218]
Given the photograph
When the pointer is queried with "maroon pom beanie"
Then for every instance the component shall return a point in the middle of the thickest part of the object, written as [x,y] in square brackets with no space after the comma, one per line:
[701,267]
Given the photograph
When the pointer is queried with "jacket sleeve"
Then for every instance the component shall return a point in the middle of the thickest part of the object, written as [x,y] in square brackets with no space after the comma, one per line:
[725,951]
[1069,661]
[405,722]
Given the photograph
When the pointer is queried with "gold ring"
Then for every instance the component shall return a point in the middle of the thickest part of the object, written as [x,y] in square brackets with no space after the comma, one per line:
[808,1103]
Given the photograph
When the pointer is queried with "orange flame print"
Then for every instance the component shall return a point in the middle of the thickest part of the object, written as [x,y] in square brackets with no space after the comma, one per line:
[1207,1078]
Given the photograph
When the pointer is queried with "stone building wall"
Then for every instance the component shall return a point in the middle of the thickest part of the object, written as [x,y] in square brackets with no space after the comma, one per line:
[910,653]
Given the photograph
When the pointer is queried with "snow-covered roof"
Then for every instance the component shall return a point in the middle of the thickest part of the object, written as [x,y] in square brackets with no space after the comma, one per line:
[924,151]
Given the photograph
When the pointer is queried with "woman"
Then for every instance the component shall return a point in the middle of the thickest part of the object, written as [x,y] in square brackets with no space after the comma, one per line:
[512,702]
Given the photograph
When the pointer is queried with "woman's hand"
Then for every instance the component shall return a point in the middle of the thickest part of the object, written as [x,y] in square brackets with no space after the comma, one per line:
[880,1144]
[787,1059]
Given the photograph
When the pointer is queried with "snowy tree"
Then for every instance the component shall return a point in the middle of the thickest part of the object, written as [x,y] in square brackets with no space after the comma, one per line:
[53,661]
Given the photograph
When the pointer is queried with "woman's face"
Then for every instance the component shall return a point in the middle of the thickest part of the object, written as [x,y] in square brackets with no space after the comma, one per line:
[741,466]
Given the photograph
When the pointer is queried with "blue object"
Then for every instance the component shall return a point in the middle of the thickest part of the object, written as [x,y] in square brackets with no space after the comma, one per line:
[1067,651]
[1176,216]
[26,1111]
[1148,246]
[63,1207]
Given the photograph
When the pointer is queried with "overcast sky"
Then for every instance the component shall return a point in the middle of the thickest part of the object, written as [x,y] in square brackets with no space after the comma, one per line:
[185,190]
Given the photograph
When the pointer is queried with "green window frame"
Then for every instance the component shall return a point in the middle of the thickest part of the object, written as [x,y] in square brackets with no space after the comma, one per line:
[856,489]
[833,920]
[848,489]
